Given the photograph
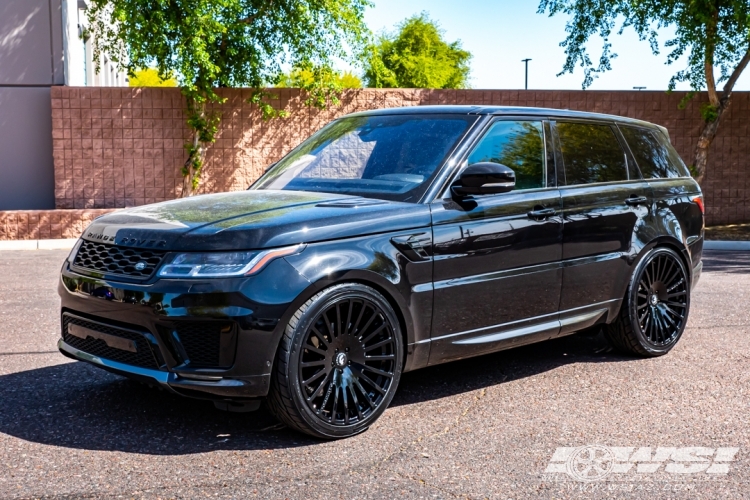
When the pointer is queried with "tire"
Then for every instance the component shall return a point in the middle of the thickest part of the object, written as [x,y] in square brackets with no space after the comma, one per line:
[338,364]
[656,306]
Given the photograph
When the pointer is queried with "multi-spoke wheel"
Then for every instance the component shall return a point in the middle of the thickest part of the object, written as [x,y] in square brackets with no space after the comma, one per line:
[339,362]
[655,310]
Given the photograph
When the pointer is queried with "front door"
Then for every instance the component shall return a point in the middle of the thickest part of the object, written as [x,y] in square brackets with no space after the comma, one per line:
[604,204]
[497,275]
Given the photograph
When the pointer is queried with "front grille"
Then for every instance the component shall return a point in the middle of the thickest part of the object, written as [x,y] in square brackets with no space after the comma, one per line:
[111,259]
[143,356]
[202,342]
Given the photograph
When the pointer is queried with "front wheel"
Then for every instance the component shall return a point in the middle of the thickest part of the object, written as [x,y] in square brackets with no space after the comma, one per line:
[338,364]
[656,306]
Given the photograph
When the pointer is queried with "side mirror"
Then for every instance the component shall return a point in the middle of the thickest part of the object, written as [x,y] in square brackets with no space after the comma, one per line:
[484,178]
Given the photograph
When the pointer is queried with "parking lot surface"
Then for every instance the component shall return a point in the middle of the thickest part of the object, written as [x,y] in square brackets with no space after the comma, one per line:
[521,423]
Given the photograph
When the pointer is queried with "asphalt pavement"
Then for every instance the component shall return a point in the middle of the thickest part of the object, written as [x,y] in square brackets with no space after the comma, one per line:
[567,418]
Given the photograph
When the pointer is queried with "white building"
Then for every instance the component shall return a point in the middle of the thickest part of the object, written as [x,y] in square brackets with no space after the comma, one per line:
[78,57]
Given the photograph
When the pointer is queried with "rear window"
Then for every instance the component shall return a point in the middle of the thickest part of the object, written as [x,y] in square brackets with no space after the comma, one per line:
[591,153]
[655,156]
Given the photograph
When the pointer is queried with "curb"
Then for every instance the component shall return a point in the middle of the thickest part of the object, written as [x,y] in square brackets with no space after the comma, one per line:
[59,244]
[726,245]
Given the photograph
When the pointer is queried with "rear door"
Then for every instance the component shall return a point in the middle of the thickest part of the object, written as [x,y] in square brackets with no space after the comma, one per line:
[604,201]
[497,274]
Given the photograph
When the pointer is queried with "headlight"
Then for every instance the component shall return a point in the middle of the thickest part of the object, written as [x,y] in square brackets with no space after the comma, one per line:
[222,264]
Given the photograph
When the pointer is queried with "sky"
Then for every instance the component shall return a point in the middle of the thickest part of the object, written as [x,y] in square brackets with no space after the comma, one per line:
[499,33]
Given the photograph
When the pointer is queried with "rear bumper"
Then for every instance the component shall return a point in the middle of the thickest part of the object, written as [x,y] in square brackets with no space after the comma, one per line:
[697,270]
[210,388]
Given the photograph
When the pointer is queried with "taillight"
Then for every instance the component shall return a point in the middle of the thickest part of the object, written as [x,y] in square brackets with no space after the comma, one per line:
[698,200]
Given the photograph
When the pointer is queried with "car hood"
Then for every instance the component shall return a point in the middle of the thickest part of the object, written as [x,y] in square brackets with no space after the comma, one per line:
[248,220]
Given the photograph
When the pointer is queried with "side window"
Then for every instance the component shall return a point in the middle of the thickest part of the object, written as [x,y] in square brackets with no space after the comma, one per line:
[676,165]
[654,157]
[591,153]
[518,145]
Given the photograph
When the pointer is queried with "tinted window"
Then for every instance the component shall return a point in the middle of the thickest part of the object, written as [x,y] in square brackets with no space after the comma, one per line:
[518,145]
[591,153]
[654,158]
[390,157]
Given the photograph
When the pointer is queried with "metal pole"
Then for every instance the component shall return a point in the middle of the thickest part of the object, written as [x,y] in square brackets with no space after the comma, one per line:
[526,85]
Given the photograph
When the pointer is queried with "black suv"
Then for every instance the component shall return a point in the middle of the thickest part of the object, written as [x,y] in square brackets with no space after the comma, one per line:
[389,241]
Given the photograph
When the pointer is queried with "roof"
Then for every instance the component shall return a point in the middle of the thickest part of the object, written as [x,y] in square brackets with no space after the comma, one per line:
[503,110]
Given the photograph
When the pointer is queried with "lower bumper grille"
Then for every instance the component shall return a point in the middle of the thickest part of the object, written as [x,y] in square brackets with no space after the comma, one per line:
[202,342]
[108,342]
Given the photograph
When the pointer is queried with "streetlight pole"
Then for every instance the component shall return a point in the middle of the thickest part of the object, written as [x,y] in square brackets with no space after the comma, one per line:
[526,86]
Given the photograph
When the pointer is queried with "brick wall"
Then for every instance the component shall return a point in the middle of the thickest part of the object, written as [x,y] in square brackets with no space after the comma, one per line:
[124,147]
[45,224]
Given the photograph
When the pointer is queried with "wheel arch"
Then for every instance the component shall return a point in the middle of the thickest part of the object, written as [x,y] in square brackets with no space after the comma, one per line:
[667,242]
[363,277]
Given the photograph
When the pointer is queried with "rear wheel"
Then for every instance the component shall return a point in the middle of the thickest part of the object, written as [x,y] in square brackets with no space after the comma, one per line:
[656,306]
[338,364]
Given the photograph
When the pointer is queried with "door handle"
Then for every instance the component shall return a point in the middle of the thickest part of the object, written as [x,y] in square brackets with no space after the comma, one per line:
[634,201]
[542,213]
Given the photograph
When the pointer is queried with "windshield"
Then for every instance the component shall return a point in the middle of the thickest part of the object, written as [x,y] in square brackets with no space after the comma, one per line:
[392,157]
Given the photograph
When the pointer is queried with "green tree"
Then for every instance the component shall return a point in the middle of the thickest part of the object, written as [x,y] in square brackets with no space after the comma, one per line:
[149,77]
[417,56]
[228,43]
[712,34]
[322,83]
[304,78]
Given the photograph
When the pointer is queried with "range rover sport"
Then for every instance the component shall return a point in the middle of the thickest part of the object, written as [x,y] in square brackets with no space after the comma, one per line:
[389,241]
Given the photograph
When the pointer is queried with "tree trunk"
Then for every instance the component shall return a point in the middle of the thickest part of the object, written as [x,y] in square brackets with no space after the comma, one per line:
[195,155]
[708,133]
[700,158]
[187,179]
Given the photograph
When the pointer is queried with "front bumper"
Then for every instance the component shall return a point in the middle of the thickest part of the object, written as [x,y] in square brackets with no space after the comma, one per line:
[209,388]
[254,310]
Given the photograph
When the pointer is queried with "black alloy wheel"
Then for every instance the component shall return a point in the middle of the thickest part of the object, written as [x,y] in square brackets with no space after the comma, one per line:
[661,302]
[655,311]
[339,363]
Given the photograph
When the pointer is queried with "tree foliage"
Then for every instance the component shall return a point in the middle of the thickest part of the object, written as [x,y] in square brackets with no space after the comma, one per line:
[226,43]
[149,77]
[417,56]
[322,83]
[305,77]
[710,34]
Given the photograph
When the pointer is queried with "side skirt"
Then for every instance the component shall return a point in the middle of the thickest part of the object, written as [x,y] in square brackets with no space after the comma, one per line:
[509,335]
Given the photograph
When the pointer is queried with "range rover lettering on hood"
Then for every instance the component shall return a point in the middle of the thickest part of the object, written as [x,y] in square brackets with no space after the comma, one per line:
[99,237]
[126,241]
[142,242]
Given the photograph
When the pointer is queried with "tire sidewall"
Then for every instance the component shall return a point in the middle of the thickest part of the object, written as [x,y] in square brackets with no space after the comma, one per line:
[633,302]
[325,300]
